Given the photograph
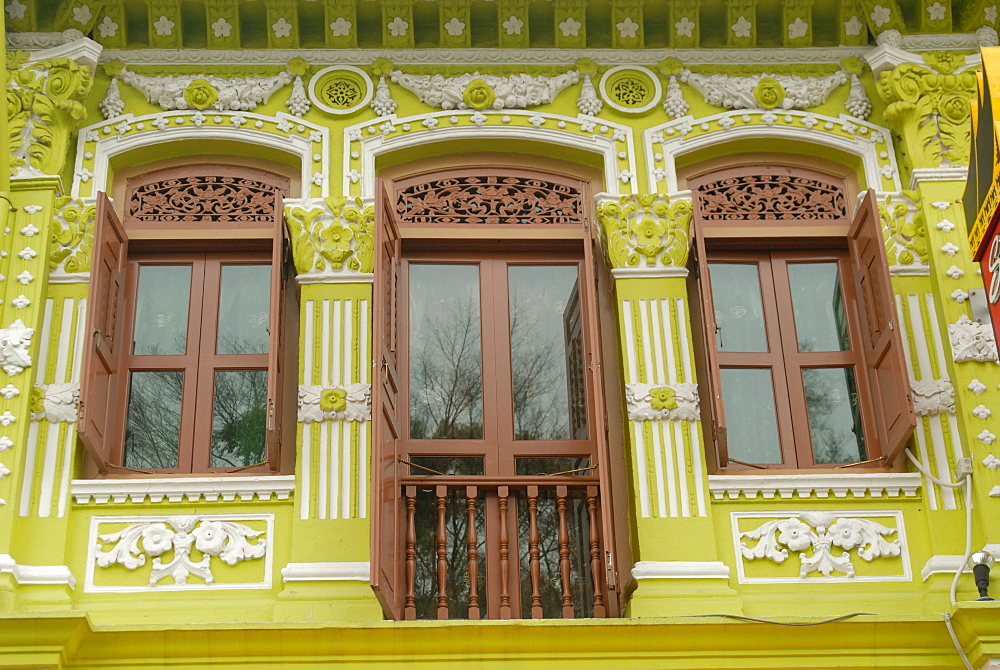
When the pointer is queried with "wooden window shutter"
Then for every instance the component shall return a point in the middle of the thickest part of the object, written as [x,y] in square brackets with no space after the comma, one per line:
[882,345]
[386,567]
[276,358]
[609,428]
[106,302]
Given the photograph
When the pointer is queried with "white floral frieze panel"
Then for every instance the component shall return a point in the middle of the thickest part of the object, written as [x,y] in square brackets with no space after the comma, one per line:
[654,402]
[820,546]
[348,402]
[179,552]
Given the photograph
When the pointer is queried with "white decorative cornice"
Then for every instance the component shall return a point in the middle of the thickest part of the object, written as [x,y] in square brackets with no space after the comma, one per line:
[921,175]
[649,272]
[950,563]
[29,41]
[887,56]
[680,570]
[874,485]
[81,50]
[36,574]
[175,490]
[327,572]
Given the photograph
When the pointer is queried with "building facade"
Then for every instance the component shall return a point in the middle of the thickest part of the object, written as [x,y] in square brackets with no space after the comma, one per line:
[498,333]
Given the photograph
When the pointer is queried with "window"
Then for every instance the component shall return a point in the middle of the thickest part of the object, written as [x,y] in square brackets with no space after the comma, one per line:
[493,472]
[802,360]
[184,374]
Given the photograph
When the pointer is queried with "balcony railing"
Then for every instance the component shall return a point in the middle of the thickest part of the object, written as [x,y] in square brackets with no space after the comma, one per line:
[527,547]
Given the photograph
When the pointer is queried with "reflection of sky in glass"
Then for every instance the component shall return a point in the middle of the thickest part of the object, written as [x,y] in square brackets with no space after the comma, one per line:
[244,309]
[834,415]
[751,420]
[238,416]
[820,320]
[161,310]
[446,372]
[739,314]
[546,353]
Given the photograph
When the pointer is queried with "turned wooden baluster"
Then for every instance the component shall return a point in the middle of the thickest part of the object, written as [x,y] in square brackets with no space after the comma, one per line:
[410,604]
[442,552]
[595,552]
[471,492]
[502,494]
[535,567]
[564,568]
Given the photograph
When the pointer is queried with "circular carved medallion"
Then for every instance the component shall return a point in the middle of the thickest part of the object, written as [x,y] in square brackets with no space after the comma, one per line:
[630,88]
[340,89]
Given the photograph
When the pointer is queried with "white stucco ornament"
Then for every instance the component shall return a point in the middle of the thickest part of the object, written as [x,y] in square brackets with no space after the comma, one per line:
[517,91]
[820,531]
[778,91]
[932,397]
[10,392]
[658,402]
[233,93]
[226,540]
[971,341]
[350,402]
[977,387]
[15,340]
[59,402]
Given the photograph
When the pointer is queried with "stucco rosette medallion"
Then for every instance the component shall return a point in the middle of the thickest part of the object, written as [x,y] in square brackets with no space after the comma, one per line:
[349,402]
[820,532]
[174,542]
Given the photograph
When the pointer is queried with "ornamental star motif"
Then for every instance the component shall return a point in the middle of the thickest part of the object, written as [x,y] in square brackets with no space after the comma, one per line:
[685,27]
[627,28]
[513,25]
[107,27]
[880,15]
[398,27]
[221,27]
[82,14]
[797,29]
[936,11]
[742,27]
[164,26]
[570,27]
[341,27]
[281,28]
[853,27]
[454,27]
[15,10]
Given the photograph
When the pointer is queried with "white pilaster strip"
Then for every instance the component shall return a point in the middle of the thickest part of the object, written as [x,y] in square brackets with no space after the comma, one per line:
[52,434]
[640,467]
[646,353]
[364,376]
[345,470]
[324,361]
[682,337]
[924,453]
[321,470]
[668,475]
[661,331]
[31,449]
[668,337]
[70,444]
[630,352]
[305,467]
[29,468]
[333,444]
[682,476]
[697,471]
[336,338]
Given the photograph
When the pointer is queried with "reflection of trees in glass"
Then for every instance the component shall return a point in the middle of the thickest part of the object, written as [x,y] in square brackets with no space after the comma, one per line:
[238,421]
[834,415]
[446,375]
[152,431]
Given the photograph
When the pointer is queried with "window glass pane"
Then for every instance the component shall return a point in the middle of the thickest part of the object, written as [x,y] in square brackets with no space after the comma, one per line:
[244,309]
[153,423]
[834,415]
[818,302]
[238,418]
[446,465]
[446,360]
[739,314]
[161,310]
[551,465]
[546,353]
[751,421]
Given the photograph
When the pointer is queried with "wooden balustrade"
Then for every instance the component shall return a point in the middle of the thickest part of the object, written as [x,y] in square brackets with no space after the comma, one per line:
[459,539]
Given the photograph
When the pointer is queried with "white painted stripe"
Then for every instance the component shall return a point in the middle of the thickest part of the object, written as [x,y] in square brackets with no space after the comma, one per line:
[919,337]
[661,482]
[682,476]
[697,472]
[929,487]
[646,353]
[365,370]
[324,353]
[902,333]
[321,471]
[305,504]
[640,465]
[683,338]
[347,342]
[48,470]
[668,339]
[659,330]
[345,473]
[43,352]
[336,335]
[307,349]
[956,441]
[333,444]
[62,354]
[936,336]
[81,337]
[362,469]
[941,462]
[29,468]
[67,461]
[630,352]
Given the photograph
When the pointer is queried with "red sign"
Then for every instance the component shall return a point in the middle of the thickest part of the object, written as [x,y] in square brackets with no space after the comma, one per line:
[990,262]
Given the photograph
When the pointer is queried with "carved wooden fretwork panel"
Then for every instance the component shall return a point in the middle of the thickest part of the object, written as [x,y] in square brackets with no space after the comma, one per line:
[204,198]
[489,200]
[778,197]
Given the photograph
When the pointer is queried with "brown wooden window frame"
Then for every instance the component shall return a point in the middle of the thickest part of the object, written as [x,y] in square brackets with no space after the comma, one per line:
[494,245]
[773,240]
[205,243]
